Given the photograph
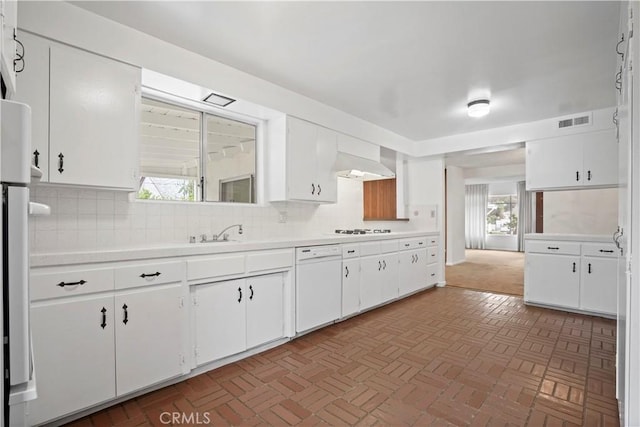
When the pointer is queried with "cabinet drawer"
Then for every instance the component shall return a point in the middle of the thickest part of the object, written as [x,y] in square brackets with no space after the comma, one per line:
[369,248]
[415,243]
[269,260]
[68,283]
[223,265]
[387,246]
[350,251]
[550,247]
[432,254]
[432,274]
[149,274]
[607,250]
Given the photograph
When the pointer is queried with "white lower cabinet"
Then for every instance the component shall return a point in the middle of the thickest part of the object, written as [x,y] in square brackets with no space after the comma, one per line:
[148,336]
[553,279]
[350,286]
[598,284]
[74,357]
[235,315]
[378,280]
[412,271]
[389,277]
[579,276]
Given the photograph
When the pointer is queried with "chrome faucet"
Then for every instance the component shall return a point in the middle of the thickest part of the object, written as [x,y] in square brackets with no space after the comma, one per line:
[225,236]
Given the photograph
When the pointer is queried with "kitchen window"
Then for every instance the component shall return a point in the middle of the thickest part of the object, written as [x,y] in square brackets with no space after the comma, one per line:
[502,214]
[193,155]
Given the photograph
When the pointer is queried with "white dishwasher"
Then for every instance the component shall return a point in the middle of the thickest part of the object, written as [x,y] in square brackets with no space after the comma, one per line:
[318,286]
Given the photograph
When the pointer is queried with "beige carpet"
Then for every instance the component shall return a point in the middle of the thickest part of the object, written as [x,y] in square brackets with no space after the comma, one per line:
[493,271]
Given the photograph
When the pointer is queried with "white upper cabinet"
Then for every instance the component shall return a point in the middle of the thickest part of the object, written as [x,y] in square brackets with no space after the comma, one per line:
[300,160]
[93,107]
[85,115]
[573,161]
[34,91]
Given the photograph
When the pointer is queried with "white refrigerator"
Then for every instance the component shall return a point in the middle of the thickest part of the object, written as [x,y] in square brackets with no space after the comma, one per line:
[15,177]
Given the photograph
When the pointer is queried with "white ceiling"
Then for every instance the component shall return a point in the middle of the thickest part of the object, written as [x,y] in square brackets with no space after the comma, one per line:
[410,67]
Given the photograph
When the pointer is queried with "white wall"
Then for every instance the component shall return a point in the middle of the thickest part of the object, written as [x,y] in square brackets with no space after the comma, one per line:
[455,215]
[581,211]
[84,219]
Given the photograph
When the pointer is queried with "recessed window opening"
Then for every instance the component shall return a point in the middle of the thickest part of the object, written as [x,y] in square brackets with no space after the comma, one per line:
[502,214]
[192,155]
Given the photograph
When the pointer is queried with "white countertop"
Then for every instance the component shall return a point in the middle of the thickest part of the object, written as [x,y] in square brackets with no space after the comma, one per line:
[598,238]
[190,249]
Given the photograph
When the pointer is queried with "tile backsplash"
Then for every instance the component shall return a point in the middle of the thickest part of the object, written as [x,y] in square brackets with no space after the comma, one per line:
[85,219]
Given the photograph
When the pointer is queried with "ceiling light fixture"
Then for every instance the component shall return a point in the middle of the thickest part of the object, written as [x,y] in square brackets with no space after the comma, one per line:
[219,100]
[478,108]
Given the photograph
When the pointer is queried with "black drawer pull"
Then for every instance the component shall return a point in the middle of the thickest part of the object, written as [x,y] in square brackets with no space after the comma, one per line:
[126,314]
[588,175]
[577,176]
[156,274]
[606,251]
[104,318]
[406,245]
[553,248]
[351,251]
[589,268]
[63,284]
[574,267]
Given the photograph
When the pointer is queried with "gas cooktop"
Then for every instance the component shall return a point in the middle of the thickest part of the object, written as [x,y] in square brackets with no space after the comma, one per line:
[363,231]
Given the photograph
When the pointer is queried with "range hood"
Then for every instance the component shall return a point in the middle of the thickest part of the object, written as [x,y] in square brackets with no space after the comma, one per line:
[356,167]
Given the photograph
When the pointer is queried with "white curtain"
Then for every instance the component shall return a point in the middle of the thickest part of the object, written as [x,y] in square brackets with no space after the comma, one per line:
[525,214]
[476,198]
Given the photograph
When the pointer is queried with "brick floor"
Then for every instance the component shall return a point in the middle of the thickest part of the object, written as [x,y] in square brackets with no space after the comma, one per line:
[447,356]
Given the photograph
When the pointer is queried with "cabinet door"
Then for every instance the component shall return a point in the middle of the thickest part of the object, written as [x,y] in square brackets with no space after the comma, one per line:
[554,163]
[552,279]
[149,331]
[265,309]
[318,293]
[74,356]
[350,286]
[220,320]
[94,116]
[412,273]
[421,275]
[598,286]
[370,282]
[326,152]
[600,157]
[301,159]
[389,277]
[34,91]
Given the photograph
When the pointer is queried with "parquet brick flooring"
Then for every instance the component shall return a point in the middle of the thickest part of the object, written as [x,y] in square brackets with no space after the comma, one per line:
[446,356]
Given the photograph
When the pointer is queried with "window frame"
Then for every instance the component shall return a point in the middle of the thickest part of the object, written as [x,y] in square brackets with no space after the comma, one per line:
[205,109]
[513,209]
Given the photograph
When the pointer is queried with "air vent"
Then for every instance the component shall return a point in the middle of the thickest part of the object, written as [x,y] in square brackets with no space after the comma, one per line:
[575,121]
[584,120]
[565,123]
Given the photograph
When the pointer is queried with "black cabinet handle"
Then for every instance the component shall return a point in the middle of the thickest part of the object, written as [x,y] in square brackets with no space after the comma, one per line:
[126,314]
[156,274]
[63,284]
[574,267]
[606,251]
[346,269]
[379,266]
[589,269]
[553,248]
[417,257]
[351,251]
[251,289]
[313,189]
[577,175]
[406,245]
[60,163]
[588,175]
[384,264]
[36,158]
[319,189]
[104,318]
[239,294]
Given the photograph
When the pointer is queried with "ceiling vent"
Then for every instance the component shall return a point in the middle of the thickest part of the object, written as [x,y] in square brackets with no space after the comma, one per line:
[575,121]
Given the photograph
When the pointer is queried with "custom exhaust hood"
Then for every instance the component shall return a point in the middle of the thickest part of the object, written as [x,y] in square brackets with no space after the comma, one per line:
[356,167]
